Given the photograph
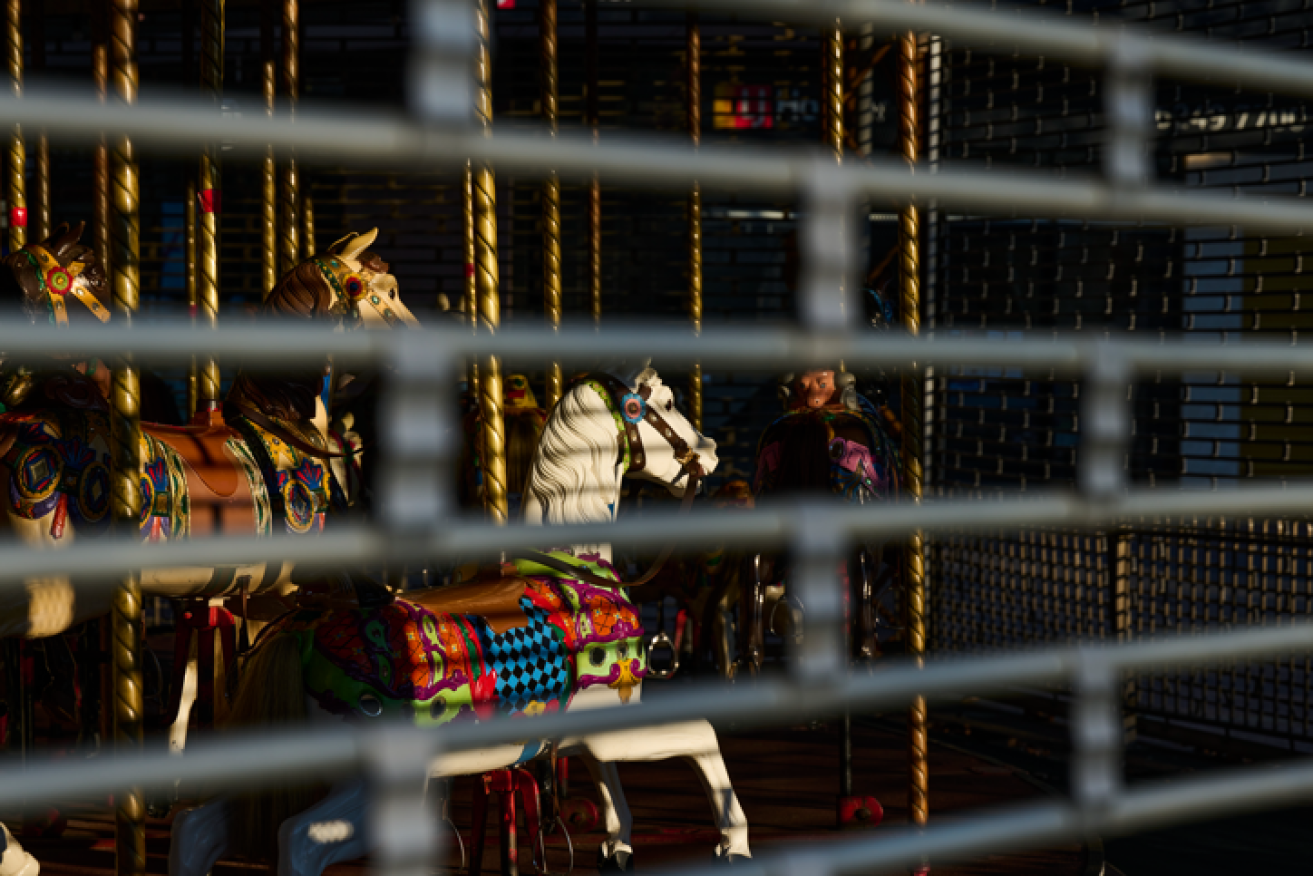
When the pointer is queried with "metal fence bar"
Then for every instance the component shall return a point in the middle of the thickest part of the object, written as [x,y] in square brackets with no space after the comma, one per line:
[259,759]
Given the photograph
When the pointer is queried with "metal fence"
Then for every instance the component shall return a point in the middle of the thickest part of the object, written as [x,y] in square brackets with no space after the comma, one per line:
[417,520]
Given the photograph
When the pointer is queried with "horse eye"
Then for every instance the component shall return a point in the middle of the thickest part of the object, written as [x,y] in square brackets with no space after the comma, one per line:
[670,405]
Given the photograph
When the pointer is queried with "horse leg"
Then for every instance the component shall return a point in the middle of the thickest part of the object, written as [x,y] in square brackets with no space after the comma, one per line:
[695,741]
[200,837]
[331,831]
[616,854]
[13,860]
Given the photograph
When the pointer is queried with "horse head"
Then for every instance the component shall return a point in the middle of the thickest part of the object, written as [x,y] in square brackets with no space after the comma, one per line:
[56,281]
[667,439]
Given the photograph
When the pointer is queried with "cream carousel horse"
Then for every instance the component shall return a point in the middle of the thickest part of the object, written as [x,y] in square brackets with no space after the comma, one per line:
[545,633]
[260,464]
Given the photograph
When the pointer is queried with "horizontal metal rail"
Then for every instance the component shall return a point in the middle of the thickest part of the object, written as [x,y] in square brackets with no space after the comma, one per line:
[393,140]
[257,760]
[771,524]
[766,349]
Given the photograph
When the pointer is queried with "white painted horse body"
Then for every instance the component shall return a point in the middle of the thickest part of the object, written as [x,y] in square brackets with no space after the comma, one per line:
[576,477]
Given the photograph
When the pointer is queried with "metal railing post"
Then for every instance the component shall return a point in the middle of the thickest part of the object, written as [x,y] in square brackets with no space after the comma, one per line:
[403,827]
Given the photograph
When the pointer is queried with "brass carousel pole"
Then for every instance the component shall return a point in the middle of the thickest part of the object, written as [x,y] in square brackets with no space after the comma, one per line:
[591,113]
[307,225]
[190,76]
[485,278]
[909,240]
[268,167]
[41,221]
[207,239]
[694,50]
[551,195]
[17,182]
[125,439]
[100,219]
[289,234]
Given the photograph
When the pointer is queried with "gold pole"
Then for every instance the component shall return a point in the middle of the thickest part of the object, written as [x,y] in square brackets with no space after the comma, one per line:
[100,219]
[592,112]
[189,249]
[125,438]
[694,50]
[290,248]
[269,189]
[307,226]
[485,278]
[909,239]
[833,74]
[551,195]
[17,187]
[470,303]
[41,220]
[207,239]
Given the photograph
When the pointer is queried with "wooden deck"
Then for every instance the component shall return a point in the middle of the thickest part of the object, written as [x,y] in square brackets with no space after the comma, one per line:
[786,780]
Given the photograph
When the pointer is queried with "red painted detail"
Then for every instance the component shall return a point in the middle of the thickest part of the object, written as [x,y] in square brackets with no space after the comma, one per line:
[505,4]
[60,519]
[18,217]
[484,691]
[469,269]
[211,200]
[580,814]
[192,310]
[859,812]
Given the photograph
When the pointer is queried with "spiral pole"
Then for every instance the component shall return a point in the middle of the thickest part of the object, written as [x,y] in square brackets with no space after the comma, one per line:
[592,118]
[125,446]
[289,248]
[491,402]
[189,255]
[208,182]
[16,188]
[909,238]
[833,71]
[551,193]
[307,226]
[41,215]
[268,165]
[100,214]
[693,49]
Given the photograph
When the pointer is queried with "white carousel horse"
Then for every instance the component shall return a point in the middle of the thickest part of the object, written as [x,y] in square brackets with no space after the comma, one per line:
[587,637]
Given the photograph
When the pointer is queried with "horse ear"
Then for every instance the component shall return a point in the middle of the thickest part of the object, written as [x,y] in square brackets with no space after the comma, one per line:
[338,245]
[64,239]
[359,244]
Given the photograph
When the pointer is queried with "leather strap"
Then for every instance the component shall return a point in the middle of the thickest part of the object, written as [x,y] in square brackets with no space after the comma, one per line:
[232,409]
[637,460]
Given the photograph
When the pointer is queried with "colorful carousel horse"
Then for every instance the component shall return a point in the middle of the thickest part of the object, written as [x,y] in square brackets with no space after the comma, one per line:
[258,465]
[544,633]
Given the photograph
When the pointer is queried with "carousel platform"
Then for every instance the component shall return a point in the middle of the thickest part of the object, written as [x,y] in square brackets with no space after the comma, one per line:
[785,779]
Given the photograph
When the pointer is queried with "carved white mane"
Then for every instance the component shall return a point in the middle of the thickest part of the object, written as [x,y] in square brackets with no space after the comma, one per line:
[576,471]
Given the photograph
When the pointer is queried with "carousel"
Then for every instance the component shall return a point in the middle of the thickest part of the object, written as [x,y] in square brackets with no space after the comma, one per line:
[571,628]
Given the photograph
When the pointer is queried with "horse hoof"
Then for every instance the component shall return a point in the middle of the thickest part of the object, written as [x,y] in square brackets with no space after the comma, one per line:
[620,862]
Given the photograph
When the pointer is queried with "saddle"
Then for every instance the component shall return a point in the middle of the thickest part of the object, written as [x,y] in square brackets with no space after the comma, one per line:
[493,593]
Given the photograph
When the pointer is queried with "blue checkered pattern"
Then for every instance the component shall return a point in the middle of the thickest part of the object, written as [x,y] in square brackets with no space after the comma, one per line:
[531,663]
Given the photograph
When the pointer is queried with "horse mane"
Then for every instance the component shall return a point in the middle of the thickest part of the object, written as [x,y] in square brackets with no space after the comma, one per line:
[303,294]
[576,472]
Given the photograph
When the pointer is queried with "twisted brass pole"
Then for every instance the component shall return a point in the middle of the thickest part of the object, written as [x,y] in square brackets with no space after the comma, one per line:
[551,195]
[189,254]
[491,401]
[268,167]
[289,244]
[470,301]
[17,184]
[41,220]
[307,226]
[909,239]
[100,220]
[693,48]
[834,77]
[591,117]
[125,447]
[207,239]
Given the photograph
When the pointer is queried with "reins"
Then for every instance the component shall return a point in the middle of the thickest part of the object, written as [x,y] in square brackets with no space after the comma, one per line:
[634,408]
[232,408]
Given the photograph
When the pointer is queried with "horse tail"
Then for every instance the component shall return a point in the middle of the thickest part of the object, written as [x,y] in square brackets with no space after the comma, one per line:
[270,694]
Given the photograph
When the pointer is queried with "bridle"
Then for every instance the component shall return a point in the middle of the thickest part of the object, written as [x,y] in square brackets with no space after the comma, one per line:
[634,409]
[57,282]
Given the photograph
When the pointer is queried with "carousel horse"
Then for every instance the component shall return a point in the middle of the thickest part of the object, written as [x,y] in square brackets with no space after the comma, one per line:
[262,463]
[544,633]
[829,440]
